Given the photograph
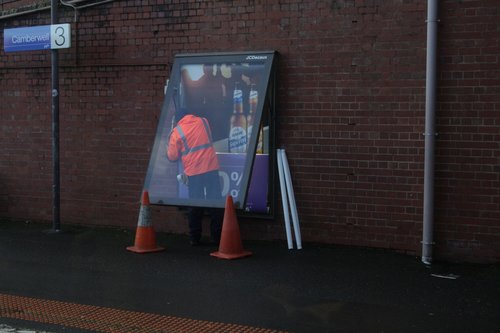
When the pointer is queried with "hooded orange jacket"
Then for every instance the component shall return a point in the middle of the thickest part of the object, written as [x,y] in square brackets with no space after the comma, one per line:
[191,140]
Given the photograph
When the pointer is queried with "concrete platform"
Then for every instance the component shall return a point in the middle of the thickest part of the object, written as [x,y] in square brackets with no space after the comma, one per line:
[316,289]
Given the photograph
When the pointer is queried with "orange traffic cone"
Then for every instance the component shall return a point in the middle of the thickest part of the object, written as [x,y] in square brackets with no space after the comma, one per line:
[230,246]
[145,237]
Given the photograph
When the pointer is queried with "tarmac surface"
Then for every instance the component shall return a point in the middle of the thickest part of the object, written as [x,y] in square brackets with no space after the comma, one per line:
[84,280]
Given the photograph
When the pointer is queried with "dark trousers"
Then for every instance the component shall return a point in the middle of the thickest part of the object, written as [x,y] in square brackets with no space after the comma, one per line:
[205,186]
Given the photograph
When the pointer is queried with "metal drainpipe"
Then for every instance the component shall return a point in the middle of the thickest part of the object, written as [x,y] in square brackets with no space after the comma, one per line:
[430,132]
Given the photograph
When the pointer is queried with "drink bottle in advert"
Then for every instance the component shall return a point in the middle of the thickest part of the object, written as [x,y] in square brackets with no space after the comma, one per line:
[253,99]
[238,127]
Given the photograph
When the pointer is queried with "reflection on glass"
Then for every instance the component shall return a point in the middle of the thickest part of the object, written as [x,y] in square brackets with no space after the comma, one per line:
[224,98]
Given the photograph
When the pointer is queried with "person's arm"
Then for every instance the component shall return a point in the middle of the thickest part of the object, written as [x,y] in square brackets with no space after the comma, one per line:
[173,148]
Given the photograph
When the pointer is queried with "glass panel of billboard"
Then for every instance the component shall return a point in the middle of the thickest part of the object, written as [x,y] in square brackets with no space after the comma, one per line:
[213,107]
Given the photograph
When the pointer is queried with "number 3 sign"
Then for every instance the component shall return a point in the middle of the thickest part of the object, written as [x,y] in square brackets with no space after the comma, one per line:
[60,36]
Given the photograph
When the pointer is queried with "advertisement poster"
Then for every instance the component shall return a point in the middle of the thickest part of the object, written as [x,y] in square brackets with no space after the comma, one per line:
[213,104]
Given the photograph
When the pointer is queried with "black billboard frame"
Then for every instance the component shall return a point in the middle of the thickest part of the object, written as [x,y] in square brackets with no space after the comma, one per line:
[265,114]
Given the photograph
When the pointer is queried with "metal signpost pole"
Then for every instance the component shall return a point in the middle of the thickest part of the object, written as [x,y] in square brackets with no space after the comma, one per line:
[56,222]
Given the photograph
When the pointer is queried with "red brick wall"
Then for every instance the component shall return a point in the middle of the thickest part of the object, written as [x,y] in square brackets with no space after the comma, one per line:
[468,148]
[351,106]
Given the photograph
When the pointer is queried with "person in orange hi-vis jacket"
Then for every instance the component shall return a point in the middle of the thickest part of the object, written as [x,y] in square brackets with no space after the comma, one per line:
[191,142]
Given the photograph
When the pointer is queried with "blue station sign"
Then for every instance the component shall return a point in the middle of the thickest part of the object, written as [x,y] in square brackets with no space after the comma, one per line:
[43,37]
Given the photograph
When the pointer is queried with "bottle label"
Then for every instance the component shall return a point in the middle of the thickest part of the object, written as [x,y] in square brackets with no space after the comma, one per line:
[237,140]
[237,97]
[253,96]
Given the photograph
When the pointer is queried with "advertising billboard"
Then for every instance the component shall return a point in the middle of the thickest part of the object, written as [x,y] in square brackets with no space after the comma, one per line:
[214,119]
